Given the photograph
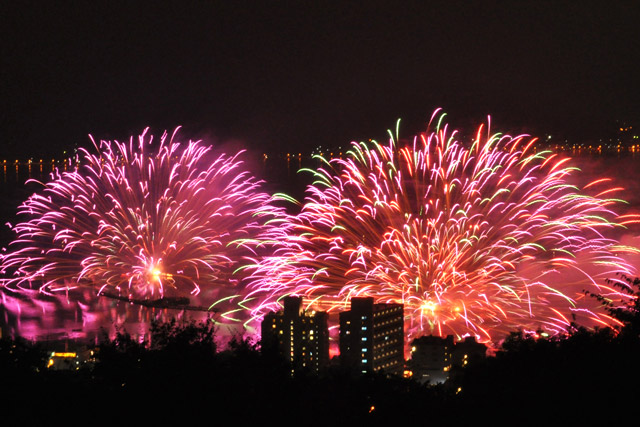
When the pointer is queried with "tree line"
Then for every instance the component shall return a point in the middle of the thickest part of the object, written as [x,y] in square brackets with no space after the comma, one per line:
[181,374]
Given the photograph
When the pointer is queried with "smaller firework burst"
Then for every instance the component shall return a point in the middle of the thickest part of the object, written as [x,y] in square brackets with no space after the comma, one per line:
[144,223]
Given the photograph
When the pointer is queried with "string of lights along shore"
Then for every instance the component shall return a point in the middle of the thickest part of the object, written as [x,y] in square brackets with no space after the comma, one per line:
[473,237]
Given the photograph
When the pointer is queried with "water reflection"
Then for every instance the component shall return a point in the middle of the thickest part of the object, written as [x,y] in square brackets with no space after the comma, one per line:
[80,315]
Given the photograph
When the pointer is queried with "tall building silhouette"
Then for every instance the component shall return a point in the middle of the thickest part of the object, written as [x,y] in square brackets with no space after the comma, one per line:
[300,336]
[372,337]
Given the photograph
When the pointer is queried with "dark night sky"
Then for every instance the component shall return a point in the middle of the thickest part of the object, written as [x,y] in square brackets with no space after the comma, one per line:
[293,75]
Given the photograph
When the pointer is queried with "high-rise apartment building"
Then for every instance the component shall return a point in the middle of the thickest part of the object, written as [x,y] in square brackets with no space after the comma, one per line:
[372,337]
[302,337]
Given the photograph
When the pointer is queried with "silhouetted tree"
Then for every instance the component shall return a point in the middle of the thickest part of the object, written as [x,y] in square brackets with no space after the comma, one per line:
[629,313]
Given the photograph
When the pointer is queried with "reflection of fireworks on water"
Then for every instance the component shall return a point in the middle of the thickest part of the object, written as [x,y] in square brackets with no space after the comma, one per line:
[142,223]
[478,238]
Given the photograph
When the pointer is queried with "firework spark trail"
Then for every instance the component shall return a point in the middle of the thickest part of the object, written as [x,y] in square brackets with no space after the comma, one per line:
[143,223]
[479,238]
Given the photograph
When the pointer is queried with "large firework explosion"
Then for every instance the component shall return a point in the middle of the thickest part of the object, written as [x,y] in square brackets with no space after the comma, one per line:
[143,223]
[480,237]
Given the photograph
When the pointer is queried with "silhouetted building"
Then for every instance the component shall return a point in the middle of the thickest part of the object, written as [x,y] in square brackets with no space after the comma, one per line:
[433,357]
[372,337]
[467,351]
[301,337]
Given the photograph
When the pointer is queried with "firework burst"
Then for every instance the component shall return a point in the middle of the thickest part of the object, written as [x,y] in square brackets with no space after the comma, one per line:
[473,238]
[143,222]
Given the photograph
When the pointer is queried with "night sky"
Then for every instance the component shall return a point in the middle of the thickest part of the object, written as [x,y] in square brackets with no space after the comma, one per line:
[284,75]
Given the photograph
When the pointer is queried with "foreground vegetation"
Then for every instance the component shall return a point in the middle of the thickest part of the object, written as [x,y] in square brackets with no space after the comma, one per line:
[180,375]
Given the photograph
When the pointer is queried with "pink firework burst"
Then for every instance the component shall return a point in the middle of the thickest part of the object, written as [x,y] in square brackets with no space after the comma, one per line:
[143,222]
